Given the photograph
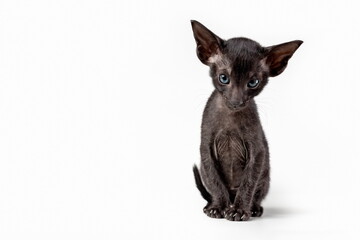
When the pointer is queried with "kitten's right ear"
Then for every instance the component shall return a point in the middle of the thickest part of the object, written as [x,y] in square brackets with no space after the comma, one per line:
[208,44]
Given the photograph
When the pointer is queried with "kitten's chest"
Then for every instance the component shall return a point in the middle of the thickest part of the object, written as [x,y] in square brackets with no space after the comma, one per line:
[231,153]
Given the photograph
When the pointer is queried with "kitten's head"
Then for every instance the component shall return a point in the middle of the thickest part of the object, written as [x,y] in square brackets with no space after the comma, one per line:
[240,67]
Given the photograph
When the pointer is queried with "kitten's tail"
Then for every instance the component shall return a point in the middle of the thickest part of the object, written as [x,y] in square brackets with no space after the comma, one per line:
[199,184]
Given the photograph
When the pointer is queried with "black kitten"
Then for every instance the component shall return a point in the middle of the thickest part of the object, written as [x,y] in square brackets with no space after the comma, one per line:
[234,170]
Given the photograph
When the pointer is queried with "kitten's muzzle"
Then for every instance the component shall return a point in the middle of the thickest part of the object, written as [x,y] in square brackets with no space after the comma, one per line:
[235,105]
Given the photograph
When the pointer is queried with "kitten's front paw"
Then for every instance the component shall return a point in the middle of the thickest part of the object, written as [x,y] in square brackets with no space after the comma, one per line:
[257,211]
[213,211]
[233,213]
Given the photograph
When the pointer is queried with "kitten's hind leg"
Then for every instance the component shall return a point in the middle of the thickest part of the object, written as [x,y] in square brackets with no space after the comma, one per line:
[213,210]
[256,208]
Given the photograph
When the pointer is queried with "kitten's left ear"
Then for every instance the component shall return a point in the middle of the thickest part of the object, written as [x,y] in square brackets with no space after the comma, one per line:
[278,56]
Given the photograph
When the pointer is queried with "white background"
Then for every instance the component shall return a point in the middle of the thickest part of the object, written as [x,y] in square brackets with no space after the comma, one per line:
[100,112]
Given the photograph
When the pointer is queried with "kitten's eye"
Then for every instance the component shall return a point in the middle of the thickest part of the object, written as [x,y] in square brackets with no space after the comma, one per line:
[224,79]
[253,83]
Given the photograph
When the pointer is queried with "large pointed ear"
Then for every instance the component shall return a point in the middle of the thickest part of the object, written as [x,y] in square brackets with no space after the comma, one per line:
[208,44]
[278,56]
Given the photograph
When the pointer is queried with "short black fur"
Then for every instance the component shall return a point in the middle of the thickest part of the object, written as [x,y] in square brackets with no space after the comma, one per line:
[234,171]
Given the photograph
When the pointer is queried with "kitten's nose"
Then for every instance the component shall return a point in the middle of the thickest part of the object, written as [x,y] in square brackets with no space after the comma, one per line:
[236,97]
